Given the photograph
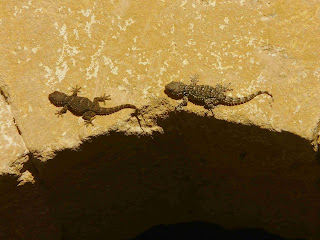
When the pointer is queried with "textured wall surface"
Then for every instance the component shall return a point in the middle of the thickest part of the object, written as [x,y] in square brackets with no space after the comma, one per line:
[131,50]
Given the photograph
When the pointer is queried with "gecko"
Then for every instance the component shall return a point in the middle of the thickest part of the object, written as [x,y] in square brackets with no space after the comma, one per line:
[206,95]
[82,106]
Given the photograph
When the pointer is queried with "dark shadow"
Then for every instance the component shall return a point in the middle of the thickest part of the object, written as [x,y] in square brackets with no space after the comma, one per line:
[24,212]
[116,186]
[203,231]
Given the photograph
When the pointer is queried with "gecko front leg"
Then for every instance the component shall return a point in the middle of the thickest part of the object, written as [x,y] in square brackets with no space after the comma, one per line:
[194,79]
[183,103]
[62,111]
[75,90]
[210,104]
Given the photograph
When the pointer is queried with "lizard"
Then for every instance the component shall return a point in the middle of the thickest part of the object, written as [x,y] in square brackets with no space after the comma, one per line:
[206,95]
[82,106]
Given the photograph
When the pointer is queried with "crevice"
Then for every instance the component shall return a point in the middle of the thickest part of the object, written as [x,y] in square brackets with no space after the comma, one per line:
[16,125]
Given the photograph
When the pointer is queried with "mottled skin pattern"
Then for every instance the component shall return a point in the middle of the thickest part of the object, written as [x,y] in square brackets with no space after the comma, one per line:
[82,106]
[206,95]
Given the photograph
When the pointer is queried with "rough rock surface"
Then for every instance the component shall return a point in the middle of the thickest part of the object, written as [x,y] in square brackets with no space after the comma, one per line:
[252,165]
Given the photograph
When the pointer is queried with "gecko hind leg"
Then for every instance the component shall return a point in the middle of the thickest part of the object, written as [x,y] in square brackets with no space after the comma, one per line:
[101,99]
[223,88]
[226,87]
[88,117]
[209,110]
[136,114]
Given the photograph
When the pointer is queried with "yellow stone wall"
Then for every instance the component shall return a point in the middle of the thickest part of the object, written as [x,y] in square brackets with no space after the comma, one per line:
[131,49]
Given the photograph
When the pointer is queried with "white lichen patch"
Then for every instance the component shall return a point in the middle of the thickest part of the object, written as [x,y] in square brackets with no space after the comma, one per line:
[159,83]
[261,79]
[125,80]
[145,62]
[87,28]
[38,10]
[49,74]
[109,62]
[185,62]
[145,92]
[61,71]
[127,23]
[162,69]
[122,88]
[76,33]
[86,12]
[66,51]
[63,32]
[11,143]
[8,139]
[210,3]
[191,42]
[93,69]
[130,72]
[35,49]
[297,109]
[62,8]
[18,10]
[172,30]
[69,51]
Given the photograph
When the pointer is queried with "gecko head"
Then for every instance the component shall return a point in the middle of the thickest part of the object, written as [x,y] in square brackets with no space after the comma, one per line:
[57,98]
[175,89]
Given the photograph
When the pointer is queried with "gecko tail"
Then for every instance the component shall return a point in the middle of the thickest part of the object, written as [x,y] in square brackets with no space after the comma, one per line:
[107,111]
[231,101]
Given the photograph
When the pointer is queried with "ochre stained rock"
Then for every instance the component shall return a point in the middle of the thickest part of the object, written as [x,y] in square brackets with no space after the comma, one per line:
[252,165]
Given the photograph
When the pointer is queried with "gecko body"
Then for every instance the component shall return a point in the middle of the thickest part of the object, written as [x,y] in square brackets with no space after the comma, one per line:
[82,106]
[206,95]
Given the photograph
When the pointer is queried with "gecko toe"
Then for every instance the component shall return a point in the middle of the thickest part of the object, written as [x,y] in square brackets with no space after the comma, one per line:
[59,114]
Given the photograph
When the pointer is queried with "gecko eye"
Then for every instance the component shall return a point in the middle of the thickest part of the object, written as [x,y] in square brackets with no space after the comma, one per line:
[57,98]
